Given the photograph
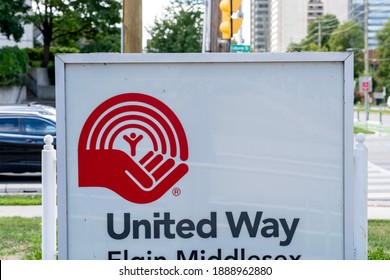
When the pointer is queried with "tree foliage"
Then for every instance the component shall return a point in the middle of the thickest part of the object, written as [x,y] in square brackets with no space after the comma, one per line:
[102,43]
[60,19]
[382,73]
[179,30]
[11,18]
[349,36]
[318,34]
[346,36]
[326,34]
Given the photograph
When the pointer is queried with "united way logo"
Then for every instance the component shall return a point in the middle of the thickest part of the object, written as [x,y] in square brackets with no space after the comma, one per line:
[134,145]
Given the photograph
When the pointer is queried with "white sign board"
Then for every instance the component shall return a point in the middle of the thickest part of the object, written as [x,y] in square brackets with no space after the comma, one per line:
[379,95]
[198,157]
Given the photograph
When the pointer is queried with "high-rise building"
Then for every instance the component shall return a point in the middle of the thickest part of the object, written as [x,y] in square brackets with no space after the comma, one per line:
[378,15]
[260,25]
[289,19]
[315,9]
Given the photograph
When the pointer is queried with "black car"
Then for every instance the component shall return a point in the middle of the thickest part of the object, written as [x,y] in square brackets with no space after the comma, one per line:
[22,129]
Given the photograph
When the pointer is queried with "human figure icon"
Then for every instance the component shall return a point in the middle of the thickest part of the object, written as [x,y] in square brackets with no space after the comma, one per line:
[133,140]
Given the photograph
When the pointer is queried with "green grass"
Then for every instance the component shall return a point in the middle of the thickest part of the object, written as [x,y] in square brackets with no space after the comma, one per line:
[379,239]
[357,130]
[20,238]
[20,200]
[371,128]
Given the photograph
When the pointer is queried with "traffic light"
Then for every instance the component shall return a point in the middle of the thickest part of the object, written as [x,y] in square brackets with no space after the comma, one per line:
[229,25]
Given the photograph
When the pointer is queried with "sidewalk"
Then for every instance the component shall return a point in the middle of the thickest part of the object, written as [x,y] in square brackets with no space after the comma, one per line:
[21,211]
[374,212]
[378,213]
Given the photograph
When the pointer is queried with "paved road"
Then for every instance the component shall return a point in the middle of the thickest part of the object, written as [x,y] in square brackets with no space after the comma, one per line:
[378,182]
[378,146]
[373,117]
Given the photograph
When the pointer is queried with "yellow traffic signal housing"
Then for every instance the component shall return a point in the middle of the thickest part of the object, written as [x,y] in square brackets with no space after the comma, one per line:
[229,25]
[228,28]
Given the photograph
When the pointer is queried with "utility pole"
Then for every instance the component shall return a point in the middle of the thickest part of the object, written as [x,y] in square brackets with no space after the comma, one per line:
[206,27]
[215,19]
[319,34]
[132,26]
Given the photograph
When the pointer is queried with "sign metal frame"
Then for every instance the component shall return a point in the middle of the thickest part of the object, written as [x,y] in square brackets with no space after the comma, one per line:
[64,60]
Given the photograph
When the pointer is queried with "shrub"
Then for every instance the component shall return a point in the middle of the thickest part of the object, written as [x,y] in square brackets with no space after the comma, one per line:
[13,66]
[36,54]
[36,57]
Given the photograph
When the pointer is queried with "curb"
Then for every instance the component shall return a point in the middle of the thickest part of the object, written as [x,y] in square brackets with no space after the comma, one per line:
[20,188]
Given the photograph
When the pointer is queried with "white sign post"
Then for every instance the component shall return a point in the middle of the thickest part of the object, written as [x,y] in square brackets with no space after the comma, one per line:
[201,157]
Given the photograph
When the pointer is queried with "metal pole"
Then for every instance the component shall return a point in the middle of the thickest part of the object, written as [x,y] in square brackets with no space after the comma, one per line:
[360,198]
[366,58]
[384,100]
[49,195]
[206,44]
[365,37]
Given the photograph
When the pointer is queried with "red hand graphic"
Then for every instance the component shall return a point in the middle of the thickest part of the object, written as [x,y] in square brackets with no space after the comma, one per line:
[137,182]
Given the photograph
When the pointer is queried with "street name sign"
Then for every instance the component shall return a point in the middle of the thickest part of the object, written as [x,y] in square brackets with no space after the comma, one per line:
[240,48]
[205,156]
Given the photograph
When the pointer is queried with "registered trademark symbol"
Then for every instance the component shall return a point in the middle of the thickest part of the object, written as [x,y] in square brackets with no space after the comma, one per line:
[176,191]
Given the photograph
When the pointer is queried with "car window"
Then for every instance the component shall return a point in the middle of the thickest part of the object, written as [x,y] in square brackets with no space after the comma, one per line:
[9,125]
[39,127]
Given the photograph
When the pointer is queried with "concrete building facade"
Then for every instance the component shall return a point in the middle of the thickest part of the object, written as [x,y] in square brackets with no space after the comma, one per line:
[260,32]
[27,41]
[289,19]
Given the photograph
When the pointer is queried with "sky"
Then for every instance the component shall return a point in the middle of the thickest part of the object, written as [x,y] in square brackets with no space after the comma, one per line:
[153,8]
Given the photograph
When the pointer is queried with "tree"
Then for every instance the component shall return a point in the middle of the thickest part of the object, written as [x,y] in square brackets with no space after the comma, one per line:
[179,30]
[318,34]
[382,73]
[73,18]
[11,18]
[103,43]
[349,36]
